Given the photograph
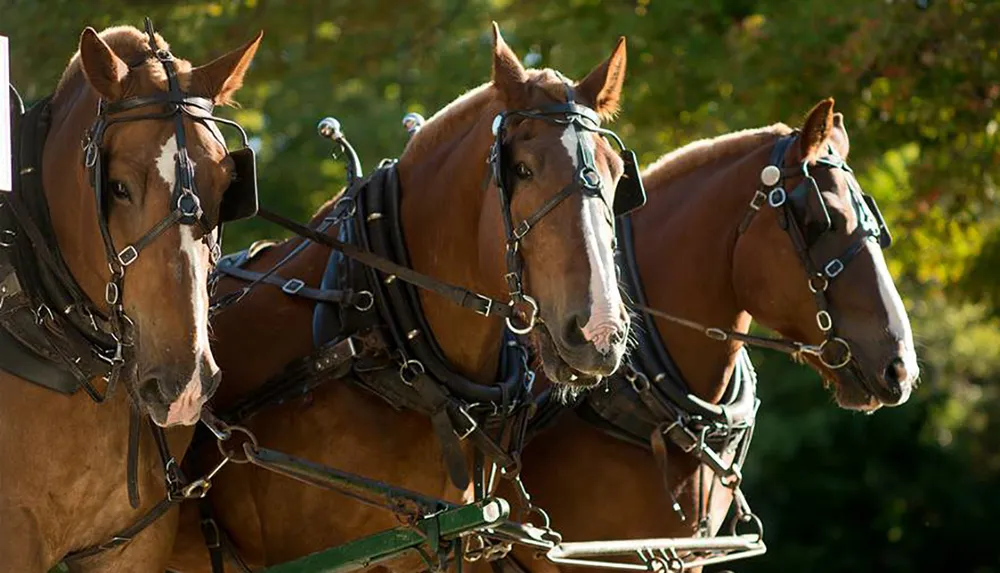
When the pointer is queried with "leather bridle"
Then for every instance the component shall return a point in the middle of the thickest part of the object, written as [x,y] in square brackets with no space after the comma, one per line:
[586,181]
[772,193]
[184,199]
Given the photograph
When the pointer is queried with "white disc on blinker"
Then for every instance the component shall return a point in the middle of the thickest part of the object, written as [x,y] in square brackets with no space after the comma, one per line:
[770,175]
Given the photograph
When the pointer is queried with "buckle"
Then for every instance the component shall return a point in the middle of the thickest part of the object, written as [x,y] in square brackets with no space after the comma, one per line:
[127,256]
[352,350]
[336,355]
[209,527]
[759,198]
[292,286]
[681,436]
[472,424]
[522,229]
[833,268]
[489,305]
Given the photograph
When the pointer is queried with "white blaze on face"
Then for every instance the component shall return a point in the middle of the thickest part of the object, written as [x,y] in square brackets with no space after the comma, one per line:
[605,299]
[896,313]
[187,407]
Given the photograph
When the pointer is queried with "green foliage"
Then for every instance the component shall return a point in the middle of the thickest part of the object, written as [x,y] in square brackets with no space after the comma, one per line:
[909,489]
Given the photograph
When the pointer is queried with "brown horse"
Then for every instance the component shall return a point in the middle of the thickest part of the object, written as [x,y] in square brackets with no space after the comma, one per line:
[698,259]
[136,183]
[453,228]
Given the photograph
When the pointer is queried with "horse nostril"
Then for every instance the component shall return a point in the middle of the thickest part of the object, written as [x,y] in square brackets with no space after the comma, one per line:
[150,391]
[573,331]
[895,374]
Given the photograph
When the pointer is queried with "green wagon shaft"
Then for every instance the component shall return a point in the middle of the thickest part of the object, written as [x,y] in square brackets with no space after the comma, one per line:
[426,536]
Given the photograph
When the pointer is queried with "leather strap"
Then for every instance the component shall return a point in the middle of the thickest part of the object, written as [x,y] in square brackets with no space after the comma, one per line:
[125,535]
[463,297]
[291,287]
[132,461]
[441,419]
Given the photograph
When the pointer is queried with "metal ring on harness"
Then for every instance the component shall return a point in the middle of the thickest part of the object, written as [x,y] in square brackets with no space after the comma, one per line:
[530,322]
[7,238]
[824,321]
[230,455]
[590,179]
[830,364]
[716,334]
[820,286]
[367,297]
[776,197]
[754,522]
[638,380]
[410,370]
[341,213]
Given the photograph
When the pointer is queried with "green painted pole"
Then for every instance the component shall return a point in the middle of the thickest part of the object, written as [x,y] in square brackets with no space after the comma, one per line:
[383,546]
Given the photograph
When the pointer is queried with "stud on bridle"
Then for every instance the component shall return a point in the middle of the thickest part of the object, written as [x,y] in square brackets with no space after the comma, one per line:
[239,200]
[629,194]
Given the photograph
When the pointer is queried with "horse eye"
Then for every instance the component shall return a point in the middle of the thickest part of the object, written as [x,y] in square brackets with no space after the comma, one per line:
[120,191]
[522,171]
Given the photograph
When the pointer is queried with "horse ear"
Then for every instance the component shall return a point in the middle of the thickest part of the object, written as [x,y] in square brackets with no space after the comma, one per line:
[838,137]
[219,79]
[102,67]
[818,126]
[603,85]
[508,74]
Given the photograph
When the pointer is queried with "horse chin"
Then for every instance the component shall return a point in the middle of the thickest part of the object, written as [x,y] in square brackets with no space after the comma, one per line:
[850,392]
[555,367]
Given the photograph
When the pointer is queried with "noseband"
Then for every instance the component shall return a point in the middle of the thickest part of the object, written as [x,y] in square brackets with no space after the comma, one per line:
[184,199]
[772,192]
[586,181]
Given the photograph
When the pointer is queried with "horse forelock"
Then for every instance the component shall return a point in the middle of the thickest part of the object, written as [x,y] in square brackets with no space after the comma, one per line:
[548,83]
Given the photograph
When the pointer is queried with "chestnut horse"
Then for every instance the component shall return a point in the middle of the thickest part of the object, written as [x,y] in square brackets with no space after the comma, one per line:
[454,231]
[700,256]
[111,243]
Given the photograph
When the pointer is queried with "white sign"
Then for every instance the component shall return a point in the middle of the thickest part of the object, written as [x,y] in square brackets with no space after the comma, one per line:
[6,183]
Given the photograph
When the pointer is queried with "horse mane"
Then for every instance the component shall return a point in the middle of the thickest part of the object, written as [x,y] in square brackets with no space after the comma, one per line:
[699,153]
[442,125]
[129,43]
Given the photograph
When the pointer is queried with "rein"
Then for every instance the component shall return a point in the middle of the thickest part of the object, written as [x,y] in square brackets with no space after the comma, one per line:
[791,347]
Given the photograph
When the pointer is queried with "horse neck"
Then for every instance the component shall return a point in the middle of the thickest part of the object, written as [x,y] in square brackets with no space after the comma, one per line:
[441,208]
[684,242]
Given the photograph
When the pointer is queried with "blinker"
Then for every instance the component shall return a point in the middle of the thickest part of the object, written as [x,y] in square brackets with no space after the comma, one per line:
[240,200]
[630,193]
